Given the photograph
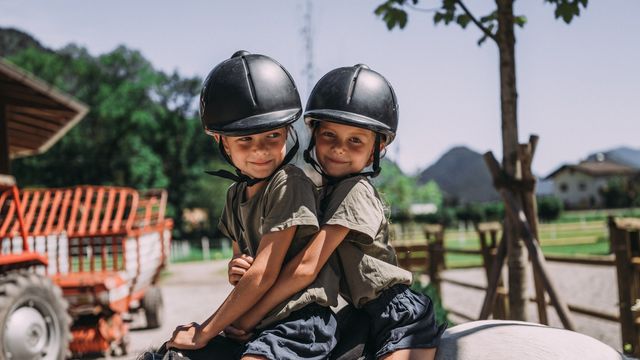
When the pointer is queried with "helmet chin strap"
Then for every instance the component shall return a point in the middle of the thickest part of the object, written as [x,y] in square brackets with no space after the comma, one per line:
[334,179]
[239,177]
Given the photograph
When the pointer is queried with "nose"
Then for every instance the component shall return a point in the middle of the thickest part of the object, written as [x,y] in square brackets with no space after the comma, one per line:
[260,146]
[339,147]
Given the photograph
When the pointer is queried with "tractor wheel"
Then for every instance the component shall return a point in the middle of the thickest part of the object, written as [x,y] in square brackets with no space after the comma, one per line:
[34,323]
[153,307]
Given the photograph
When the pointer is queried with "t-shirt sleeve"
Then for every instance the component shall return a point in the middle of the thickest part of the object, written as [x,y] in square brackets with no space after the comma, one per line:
[226,218]
[291,201]
[354,205]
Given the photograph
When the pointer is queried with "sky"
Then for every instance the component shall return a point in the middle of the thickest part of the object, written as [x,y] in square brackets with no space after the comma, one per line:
[578,84]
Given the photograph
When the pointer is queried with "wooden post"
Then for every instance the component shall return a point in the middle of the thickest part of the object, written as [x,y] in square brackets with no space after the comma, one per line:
[530,207]
[435,248]
[489,257]
[494,280]
[627,286]
[516,215]
[5,160]
[501,308]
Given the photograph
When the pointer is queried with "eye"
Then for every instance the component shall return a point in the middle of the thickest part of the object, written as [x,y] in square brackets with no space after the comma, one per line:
[355,140]
[244,139]
[274,135]
[328,134]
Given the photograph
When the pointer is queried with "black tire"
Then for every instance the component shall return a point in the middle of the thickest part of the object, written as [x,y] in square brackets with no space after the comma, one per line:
[34,323]
[153,307]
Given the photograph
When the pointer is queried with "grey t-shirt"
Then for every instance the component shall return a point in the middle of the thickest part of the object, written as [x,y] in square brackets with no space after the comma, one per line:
[369,264]
[288,199]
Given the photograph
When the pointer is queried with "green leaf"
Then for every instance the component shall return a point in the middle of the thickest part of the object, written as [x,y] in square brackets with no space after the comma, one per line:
[463,20]
[567,9]
[448,17]
[401,18]
[489,18]
[520,20]
[438,17]
[449,5]
[381,9]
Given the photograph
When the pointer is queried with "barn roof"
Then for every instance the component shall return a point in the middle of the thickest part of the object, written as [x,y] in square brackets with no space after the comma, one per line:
[37,114]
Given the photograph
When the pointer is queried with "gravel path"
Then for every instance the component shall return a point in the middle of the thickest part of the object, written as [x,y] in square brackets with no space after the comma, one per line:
[593,287]
[191,292]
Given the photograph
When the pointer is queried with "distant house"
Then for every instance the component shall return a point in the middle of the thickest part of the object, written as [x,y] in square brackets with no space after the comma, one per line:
[578,186]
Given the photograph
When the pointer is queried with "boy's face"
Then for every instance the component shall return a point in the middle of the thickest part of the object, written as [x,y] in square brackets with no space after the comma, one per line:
[342,149]
[257,155]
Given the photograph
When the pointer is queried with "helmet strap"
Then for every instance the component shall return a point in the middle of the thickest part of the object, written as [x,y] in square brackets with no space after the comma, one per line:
[376,159]
[239,177]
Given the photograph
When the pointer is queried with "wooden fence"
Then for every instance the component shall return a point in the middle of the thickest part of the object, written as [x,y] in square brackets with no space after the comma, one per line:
[624,240]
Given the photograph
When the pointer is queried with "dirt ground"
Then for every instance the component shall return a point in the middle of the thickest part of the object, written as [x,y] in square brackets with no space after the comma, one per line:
[191,292]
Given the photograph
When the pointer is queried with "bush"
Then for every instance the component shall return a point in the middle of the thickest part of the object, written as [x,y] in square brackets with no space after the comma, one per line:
[470,213]
[494,211]
[444,217]
[549,208]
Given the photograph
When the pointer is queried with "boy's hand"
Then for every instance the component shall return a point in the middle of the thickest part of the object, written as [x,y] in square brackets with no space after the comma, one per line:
[237,334]
[187,337]
[238,266]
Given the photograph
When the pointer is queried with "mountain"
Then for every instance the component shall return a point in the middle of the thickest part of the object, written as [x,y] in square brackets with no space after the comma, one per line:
[13,41]
[622,155]
[461,174]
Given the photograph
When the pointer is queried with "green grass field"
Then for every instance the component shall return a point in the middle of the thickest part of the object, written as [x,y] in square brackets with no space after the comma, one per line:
[575,233]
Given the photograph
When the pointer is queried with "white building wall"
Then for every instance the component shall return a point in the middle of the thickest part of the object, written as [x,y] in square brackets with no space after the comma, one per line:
[580,190]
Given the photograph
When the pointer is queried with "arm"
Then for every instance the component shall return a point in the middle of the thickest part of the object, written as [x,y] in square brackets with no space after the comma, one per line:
[298,273]
[252,286]
[238,265]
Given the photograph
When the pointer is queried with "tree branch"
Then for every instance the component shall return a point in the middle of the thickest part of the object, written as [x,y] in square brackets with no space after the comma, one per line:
[475,21]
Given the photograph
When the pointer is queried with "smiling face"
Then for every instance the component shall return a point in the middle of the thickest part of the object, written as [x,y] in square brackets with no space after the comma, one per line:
[342,149]
[256,155]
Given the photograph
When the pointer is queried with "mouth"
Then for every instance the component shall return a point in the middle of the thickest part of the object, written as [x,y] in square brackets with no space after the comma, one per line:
[336,161]
[260,163]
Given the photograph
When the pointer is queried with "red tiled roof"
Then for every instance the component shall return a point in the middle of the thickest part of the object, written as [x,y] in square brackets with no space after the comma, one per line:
[597,168]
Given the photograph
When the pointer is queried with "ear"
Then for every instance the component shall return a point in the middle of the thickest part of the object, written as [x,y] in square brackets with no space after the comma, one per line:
[221,139]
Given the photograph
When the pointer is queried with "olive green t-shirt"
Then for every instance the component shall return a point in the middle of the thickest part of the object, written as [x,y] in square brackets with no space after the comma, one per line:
[288,199]
[369,264]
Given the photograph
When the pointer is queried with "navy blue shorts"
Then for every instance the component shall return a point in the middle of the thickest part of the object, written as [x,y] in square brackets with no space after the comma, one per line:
[402,319]
[309,333]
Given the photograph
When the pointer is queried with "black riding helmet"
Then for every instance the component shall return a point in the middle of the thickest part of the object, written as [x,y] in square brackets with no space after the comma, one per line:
[355,96]
[248,94]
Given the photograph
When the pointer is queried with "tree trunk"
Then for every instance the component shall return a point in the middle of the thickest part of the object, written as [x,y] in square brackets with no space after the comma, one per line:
[508,101]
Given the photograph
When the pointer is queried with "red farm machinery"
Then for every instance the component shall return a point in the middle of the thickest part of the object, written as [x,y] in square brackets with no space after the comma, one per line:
[76,263]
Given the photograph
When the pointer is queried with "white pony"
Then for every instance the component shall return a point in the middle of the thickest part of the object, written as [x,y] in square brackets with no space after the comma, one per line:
[498,340]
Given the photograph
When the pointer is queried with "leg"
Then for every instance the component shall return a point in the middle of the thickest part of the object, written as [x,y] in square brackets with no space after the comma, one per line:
[411,354]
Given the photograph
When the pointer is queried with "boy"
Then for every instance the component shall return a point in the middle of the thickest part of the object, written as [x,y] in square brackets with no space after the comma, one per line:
[353,112]
[247,104]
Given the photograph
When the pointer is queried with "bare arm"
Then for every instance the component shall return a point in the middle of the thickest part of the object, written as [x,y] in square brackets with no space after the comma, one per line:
[238,265]
[298,273]
[250,288]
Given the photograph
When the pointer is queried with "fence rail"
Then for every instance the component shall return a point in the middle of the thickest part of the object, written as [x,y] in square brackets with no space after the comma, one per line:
[624,238]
